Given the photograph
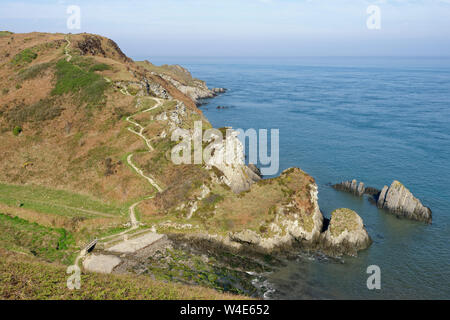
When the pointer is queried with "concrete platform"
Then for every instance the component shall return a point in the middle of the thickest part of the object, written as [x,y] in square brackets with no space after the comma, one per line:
[133,245]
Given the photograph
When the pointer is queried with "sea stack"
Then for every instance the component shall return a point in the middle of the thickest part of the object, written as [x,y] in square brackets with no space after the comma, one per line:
[345,234]
[398,200]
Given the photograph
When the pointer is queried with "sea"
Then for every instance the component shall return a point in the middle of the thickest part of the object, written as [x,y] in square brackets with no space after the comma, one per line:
[374,119]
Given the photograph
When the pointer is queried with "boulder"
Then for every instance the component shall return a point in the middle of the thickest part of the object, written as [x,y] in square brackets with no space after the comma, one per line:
[345,234]
[398,200]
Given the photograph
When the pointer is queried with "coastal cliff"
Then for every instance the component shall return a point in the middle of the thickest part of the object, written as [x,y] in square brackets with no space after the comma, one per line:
[91,131]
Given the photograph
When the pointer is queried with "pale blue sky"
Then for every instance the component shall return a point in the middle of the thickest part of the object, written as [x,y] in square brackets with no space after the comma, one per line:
[246,27]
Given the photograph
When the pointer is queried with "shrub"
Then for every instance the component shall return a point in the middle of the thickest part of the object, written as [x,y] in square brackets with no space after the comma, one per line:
[17,130]
[5,91]
[24,57]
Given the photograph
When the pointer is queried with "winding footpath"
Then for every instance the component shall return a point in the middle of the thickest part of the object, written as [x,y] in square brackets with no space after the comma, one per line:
[134,222]
[66,50]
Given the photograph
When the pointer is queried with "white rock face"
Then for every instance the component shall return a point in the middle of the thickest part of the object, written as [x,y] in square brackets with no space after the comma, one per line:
[101,263]
[246,236]
[196,90]
[288,227]
[400,201]
[229,158]
[297,230]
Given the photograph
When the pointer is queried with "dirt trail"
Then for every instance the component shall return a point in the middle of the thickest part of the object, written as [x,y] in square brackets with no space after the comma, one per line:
[133,220]
[66,50]
[159,103]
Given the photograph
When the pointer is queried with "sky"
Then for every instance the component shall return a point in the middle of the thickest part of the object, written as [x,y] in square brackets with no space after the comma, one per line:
[247,28]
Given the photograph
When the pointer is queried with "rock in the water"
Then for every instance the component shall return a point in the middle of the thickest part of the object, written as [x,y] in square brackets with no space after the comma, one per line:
[399,200]
[352,187]
[218,90]
[345,234]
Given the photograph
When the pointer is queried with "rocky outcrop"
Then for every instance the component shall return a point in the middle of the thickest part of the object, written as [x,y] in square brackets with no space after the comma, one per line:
[195,89]
[228,157]
[352,187]
[398,200]
[246,236]
[345,234]
[255,169]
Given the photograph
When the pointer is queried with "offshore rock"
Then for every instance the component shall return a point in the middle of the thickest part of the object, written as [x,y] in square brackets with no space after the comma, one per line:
[345,234]
[398,200]
[352,187]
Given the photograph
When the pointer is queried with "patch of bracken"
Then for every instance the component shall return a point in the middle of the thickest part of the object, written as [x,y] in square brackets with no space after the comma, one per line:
[91,45]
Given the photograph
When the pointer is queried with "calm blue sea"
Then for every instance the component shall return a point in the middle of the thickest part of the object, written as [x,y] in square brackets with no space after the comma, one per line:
[373,119]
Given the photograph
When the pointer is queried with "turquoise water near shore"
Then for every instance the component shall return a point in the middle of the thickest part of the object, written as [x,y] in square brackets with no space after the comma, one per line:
[373,119]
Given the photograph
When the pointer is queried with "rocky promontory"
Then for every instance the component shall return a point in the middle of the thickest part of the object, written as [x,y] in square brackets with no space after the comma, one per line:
[398,200]
[345,234]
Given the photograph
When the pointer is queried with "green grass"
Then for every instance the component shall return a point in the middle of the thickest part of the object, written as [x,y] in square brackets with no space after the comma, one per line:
[24,57]
[73,79]
[99,67]
[50,244]
[59,202]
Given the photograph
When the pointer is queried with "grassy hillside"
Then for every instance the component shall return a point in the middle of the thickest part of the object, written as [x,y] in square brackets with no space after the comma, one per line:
[86,136]
[23,277]
[50,244]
